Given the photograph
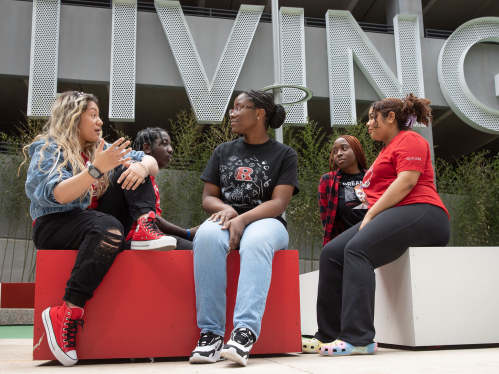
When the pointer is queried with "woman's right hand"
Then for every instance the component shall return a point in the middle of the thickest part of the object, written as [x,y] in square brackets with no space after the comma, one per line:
[224,215]
[112,156]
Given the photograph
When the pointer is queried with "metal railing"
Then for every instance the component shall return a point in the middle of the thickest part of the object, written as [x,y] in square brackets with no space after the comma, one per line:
[148,6]
[438,34]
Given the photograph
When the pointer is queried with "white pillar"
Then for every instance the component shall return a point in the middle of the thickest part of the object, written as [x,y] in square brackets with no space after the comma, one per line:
[415,7]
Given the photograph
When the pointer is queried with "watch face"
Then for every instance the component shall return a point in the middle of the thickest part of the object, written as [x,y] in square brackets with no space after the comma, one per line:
[94,173]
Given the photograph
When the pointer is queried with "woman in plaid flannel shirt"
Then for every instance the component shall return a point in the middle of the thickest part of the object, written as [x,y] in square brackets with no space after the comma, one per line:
[341,200]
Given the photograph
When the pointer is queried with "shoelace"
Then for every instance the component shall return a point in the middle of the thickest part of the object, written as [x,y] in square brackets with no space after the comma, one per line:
[206,339]
[71,331]
[243,336]
[151,225]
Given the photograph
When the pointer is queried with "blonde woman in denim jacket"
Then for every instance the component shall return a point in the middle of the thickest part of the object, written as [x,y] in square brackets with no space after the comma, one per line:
[84,195]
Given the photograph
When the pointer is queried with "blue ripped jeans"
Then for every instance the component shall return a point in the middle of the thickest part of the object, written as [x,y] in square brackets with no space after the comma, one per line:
[259,242]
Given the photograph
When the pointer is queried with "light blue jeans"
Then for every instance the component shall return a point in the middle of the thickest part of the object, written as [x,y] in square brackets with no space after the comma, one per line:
[260,240]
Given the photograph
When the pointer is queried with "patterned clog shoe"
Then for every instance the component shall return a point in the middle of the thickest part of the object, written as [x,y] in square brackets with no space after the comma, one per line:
[310,345]
[341,348]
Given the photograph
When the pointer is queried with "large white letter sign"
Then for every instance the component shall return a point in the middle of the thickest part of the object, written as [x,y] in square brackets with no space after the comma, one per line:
[123,61]
[451,73]
[347,42]
[44,57]
[293,62]
[209,100]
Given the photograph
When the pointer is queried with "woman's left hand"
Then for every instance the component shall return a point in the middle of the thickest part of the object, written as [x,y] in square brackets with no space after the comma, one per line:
[236,228]
[133,176]
[365,221]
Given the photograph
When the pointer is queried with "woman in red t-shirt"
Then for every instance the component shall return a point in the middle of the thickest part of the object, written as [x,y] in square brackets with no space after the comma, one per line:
[404,211]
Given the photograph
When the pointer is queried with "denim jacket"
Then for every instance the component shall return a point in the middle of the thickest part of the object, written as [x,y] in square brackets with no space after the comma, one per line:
[40,184]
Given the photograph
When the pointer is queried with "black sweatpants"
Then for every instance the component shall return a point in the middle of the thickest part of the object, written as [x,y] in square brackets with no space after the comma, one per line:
[88,231]
[345,301]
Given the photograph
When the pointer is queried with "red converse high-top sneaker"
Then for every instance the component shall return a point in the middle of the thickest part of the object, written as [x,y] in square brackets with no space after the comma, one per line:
[147,236]
[61,324]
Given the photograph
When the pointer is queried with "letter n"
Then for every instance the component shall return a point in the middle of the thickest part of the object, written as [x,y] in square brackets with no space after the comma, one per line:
[346,42]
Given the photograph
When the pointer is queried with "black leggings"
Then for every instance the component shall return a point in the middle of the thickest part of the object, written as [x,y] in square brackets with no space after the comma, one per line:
[94,234]
[345,301]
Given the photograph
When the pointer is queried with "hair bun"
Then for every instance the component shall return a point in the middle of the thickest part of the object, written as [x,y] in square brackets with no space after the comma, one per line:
[413,106]
[278,117]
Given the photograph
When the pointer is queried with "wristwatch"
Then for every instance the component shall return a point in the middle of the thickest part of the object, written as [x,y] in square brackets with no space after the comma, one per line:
[94,172]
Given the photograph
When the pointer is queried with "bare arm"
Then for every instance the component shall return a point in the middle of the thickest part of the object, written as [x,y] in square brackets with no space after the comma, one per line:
[75,186]
[212,204]
[171,229]
[393,195]
[151,164]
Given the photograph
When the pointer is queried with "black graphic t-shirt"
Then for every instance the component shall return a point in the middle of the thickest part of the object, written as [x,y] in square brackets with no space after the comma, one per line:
[247,173]
[350,209]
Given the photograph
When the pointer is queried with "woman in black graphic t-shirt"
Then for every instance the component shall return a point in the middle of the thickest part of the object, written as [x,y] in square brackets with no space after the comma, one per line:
[248,185]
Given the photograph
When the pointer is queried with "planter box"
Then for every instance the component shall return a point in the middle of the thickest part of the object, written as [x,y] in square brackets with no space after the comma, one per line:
[146,307]
[17,295]
[429,296]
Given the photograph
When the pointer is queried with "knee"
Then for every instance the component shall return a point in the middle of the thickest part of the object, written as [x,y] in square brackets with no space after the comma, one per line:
[331,252]
[111,232]
[109,224]
[210,236]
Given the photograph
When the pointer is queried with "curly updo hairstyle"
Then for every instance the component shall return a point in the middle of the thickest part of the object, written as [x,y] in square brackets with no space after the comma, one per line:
[274,113]
[403,109]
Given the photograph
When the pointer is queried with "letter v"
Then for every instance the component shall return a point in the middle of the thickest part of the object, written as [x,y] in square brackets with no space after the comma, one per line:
[209,100]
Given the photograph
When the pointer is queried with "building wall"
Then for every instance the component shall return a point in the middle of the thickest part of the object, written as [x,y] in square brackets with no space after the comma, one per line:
[85,41]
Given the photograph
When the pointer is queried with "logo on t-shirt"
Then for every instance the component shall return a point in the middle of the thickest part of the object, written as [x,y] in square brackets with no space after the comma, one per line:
[359,191]
[413,158]
[243,174]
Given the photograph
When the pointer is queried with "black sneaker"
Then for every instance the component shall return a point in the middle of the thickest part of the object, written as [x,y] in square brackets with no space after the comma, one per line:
[239,346]
[208,349]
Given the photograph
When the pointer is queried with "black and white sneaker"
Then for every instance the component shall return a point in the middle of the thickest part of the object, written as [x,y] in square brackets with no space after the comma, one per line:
[208,349]
[239,346]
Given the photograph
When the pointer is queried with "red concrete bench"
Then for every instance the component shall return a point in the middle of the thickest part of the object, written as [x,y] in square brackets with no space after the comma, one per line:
[17,295]
[146,305]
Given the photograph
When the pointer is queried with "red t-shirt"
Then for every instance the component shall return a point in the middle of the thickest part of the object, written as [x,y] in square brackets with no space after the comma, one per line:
[94,203]
[158,208]
[407,151]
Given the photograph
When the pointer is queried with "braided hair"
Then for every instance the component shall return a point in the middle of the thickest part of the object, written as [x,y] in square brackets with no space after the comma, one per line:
[357,149]
[274,113]
[148,136]
[403,109]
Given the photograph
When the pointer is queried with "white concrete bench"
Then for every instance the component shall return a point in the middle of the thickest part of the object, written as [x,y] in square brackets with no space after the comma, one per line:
[429,296]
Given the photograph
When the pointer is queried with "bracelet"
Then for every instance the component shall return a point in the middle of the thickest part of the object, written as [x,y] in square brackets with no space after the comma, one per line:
[188,234]
[141,164]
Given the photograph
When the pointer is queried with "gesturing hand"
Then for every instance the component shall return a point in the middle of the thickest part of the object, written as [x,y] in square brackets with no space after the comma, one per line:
[236,228]
[224,216]
[133,176]
[112,156]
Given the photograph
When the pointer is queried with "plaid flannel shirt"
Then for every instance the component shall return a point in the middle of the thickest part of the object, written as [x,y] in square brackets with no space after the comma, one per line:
[328,205]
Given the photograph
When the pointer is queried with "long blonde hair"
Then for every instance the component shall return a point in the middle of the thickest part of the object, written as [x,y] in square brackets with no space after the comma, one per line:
[62,128]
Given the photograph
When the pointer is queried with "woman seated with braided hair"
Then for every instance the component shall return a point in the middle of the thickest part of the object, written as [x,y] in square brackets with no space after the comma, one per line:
[340,190]
[248,184]
[156,142]
[404,211]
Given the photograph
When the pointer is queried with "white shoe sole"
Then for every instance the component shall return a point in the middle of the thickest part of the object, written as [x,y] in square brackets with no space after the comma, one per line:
[199,359]
[59,354]
[231,354]
[166,243]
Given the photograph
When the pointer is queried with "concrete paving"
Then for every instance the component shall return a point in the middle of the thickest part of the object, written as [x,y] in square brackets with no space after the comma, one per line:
[15,357]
